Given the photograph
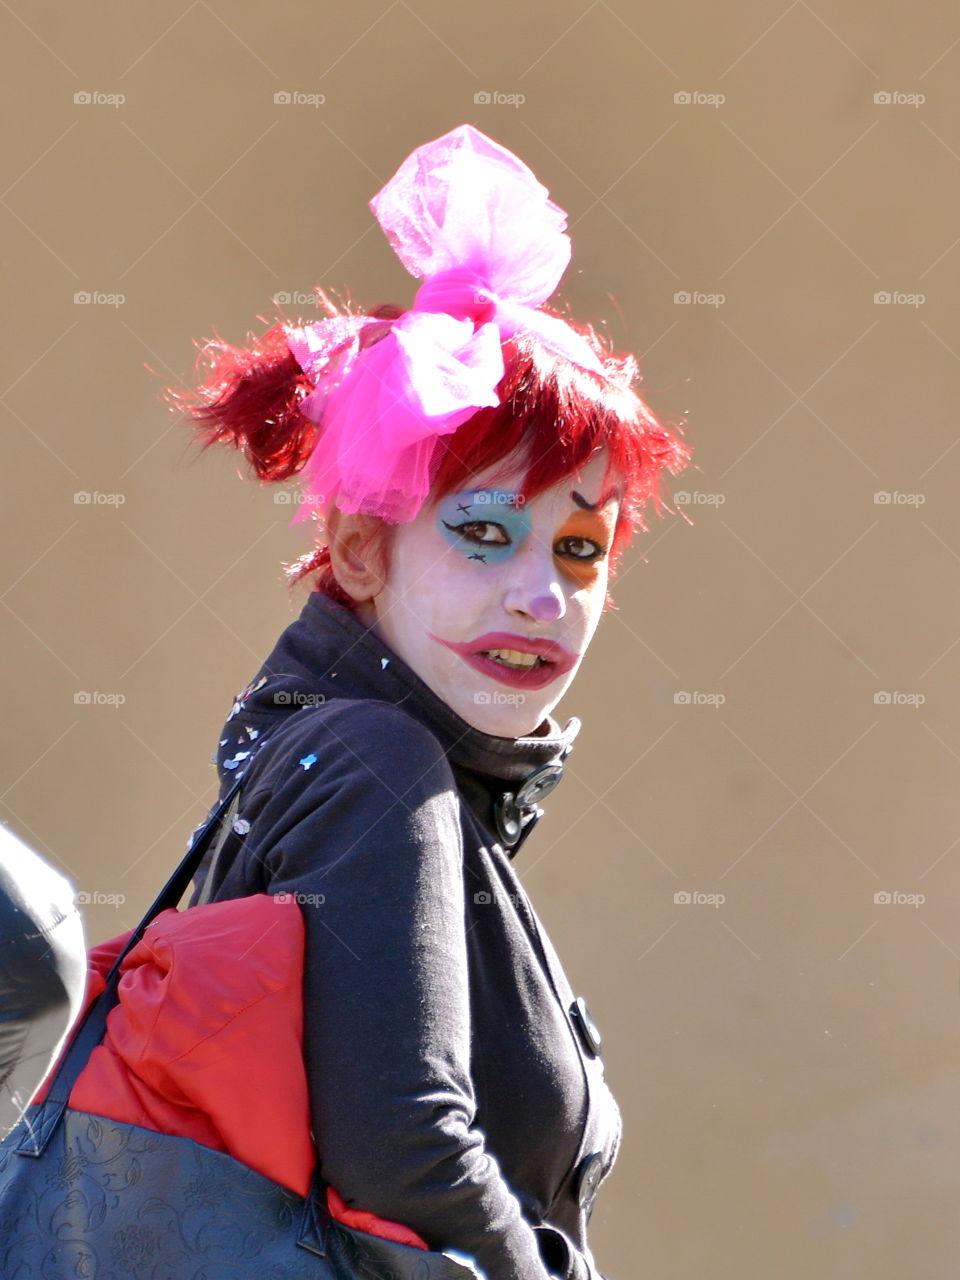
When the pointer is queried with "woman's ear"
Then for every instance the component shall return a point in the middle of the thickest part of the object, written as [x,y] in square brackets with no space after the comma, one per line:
[357,553]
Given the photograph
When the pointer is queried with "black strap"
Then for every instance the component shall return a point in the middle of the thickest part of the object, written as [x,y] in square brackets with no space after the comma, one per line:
[90,1029]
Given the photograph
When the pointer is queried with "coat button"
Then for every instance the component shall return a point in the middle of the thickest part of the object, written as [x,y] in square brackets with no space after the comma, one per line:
[586,1027]
[539,784]
[512,811]
[588,1181]
[507,816]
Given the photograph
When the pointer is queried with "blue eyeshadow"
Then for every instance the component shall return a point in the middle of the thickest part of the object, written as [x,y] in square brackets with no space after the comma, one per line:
[500,506]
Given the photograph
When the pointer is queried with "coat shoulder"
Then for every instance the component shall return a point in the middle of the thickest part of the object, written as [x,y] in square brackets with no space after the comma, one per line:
[371,731]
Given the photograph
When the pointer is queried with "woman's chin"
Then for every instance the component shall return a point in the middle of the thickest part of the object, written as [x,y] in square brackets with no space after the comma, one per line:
[504,713]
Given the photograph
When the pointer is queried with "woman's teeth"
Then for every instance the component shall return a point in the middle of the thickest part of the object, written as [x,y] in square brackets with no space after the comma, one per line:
[514,658]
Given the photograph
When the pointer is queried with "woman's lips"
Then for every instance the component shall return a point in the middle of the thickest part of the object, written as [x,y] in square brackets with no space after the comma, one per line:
[558,660]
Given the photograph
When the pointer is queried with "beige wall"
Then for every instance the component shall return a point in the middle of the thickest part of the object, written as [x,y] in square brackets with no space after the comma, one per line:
[787,1061]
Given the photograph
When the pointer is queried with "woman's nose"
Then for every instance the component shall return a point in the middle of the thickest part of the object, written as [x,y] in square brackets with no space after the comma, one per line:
[548,606]
[538,596]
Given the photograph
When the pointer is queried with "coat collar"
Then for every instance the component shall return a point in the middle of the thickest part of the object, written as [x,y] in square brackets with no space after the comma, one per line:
[328,653]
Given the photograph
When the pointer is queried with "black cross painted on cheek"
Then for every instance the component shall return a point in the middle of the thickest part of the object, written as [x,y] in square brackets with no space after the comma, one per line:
[478,555]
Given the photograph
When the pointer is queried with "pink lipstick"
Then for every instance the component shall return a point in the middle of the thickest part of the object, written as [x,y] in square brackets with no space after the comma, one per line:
[555,659]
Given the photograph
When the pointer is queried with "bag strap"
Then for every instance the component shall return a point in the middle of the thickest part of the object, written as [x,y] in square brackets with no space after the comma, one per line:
[90,1029]
[226,825]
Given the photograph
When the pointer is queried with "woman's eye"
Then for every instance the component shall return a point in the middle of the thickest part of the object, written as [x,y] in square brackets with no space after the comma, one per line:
[471,531]
[581,548]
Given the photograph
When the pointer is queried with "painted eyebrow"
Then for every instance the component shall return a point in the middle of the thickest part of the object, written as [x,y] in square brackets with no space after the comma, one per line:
[581,501]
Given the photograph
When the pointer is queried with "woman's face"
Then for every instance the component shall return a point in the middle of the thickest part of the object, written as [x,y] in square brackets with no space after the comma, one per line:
[493,601]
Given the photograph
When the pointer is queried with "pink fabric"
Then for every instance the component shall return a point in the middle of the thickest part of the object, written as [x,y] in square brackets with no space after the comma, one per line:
[470,220]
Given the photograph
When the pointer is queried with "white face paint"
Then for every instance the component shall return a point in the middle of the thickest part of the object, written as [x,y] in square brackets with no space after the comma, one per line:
[483,571]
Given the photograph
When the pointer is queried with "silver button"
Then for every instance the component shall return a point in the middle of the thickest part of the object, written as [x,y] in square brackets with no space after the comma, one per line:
[506,815]
[539,784]
[588,1181]
[586,1027]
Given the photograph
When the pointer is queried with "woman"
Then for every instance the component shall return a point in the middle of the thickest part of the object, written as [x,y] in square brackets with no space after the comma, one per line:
[478,464]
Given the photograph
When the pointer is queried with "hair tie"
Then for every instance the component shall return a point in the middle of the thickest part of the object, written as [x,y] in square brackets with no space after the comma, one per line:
[467,218]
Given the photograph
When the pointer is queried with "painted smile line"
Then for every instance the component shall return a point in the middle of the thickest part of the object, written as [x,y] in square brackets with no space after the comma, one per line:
[554,659]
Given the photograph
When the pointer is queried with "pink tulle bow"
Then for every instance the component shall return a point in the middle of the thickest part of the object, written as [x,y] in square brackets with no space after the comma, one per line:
[470,220]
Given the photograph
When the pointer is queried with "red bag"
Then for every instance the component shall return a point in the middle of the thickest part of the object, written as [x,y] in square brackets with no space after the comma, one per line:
[207,1041]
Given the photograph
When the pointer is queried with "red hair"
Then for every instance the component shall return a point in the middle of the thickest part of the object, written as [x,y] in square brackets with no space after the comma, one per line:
[553,415]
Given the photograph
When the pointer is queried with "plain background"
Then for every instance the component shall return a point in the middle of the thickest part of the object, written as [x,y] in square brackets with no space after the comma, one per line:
[787,1059]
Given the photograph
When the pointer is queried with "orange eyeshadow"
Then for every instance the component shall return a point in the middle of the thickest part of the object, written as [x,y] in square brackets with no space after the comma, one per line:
[599,528]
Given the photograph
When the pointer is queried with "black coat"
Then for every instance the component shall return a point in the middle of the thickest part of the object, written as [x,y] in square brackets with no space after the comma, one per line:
[454,1085]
